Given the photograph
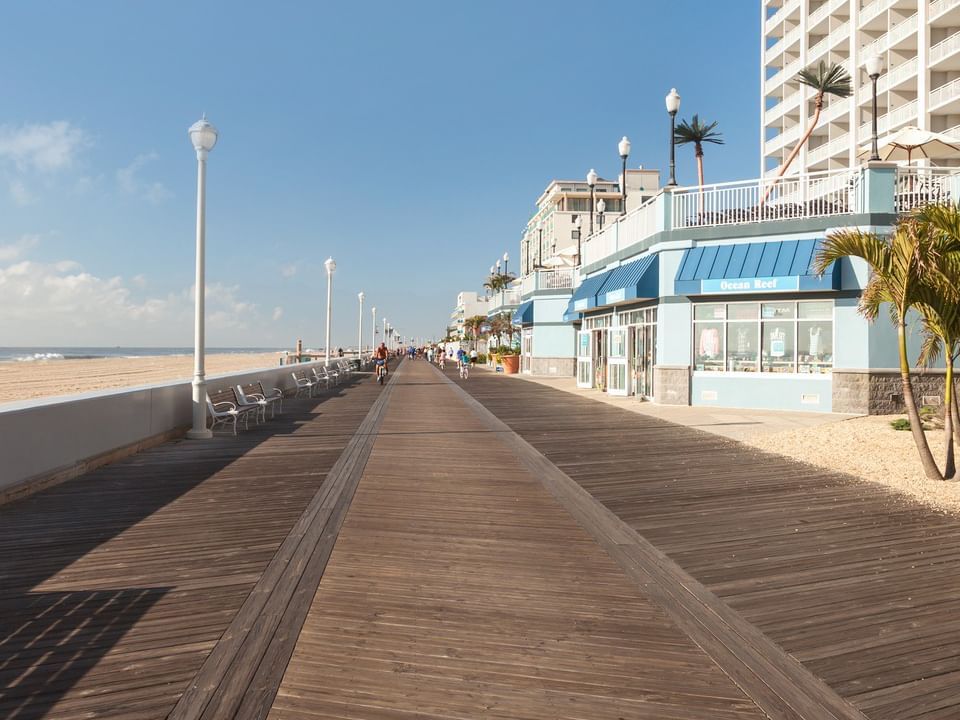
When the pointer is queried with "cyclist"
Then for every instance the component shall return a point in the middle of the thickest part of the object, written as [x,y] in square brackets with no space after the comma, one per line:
[463,362]
[441,356]
[380,356]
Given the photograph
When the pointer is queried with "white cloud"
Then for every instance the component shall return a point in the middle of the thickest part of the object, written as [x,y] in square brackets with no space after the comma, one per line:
[130,183]
[288,270]
[14,250]
[61,304]
[20,194]
[45,147]
[277,313]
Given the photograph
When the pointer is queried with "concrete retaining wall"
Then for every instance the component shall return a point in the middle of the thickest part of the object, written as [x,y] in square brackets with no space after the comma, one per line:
[59,437]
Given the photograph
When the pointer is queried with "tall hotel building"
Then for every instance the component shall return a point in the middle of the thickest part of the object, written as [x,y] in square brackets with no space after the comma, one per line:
[919,41]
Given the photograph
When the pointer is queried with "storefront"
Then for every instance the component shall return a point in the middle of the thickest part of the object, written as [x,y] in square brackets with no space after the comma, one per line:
[762,324]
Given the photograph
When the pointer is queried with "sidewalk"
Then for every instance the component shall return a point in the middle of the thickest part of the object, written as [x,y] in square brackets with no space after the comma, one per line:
[733,423]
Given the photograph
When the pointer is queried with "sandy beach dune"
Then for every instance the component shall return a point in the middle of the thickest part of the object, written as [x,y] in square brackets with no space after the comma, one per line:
[44,378]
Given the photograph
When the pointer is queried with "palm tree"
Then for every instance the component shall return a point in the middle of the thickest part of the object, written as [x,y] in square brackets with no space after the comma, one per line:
[898,266]
[474,324]
[826,79]
[697,133]
[499,281]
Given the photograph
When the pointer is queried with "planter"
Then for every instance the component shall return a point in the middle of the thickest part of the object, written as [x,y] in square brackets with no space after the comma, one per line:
[511,364]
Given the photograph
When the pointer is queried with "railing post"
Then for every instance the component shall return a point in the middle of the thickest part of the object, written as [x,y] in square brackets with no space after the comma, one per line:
[879,188]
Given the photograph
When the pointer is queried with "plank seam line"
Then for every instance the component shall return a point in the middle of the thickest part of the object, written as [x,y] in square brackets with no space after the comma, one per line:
[763,661]
[296,550]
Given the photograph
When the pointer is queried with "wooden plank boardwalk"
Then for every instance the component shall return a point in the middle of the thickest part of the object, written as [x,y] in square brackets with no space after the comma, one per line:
[490,548]
[459,588]
[861,586]
[116,586]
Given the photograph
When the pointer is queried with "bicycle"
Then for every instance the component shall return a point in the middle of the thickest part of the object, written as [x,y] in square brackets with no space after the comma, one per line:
[381,371]
[464,370]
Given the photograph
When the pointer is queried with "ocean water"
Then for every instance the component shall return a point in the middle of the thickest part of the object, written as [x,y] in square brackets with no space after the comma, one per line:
[46,354]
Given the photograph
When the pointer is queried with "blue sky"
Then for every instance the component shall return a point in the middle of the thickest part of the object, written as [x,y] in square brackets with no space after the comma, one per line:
[407,140]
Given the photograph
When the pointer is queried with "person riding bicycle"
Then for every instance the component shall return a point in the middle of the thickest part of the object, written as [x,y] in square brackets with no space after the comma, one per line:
[380,356]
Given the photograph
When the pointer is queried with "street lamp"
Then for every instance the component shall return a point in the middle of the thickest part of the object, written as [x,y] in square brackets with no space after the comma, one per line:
[203,135]
[330,265]
[539,255]
[360,297]
[673,105]
[506,262]
[874,66]
[592,182]
[601,209]
[373,330]
[624,147]
[384,331]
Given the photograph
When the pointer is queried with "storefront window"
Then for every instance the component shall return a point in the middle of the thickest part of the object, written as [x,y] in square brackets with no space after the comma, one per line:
[742,346]
[773,337]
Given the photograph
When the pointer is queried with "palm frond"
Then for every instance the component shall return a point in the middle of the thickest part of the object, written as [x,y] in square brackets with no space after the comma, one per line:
[697,132]
[826,79]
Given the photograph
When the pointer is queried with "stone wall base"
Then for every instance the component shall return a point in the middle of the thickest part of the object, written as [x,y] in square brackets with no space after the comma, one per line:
[880,392]
[553,367]
[671,384]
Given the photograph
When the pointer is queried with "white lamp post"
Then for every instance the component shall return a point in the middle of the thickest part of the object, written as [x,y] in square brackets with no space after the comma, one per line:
[384,331]
[203,135]
[601,209]
[506,263]
[360,328]
[373,330]
[673,105]
[592,183]
[624,147]
[874,66]
[330,265]
[579,225]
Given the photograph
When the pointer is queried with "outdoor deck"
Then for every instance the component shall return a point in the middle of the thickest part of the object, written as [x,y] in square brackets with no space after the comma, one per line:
[499,549]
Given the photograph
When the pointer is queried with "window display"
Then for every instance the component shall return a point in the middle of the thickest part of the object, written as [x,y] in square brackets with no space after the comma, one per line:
[792,336]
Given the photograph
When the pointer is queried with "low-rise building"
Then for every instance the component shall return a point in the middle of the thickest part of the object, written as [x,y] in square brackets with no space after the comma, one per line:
[469,304]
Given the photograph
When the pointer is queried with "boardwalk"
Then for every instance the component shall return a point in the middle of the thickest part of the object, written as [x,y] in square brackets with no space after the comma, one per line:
[489,548]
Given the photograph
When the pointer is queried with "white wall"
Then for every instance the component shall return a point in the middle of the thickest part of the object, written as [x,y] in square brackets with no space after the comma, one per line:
[39,437]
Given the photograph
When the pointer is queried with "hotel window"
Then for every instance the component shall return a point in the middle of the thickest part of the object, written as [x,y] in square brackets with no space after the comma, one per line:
[773,337]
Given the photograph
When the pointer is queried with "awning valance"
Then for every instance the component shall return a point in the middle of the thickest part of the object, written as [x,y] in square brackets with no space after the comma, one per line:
[757,267]
[523,315]
[637,280]
[585,296]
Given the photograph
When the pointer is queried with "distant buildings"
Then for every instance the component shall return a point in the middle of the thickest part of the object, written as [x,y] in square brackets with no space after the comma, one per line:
[468,305]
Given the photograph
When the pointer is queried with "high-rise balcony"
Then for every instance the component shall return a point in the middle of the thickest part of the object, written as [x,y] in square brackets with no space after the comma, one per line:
[836,36]
[946,98]
[774,81]
[945,50]
[903,115]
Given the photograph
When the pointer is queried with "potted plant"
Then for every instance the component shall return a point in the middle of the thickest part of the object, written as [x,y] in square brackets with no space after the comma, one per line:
[509,358]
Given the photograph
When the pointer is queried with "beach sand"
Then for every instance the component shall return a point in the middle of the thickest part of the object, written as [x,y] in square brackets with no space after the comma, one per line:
[45,378]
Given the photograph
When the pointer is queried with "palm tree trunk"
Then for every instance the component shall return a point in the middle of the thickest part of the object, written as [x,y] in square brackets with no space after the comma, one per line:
[796,150]
[930,468]
[950,468]
[955,414]
[700,178]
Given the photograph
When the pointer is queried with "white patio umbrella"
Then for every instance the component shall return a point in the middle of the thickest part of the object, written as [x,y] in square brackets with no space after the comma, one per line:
[903,143]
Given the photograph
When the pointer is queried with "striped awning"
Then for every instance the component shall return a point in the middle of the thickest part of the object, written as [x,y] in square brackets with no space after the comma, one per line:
[585,296]
[637,280]
[523,315]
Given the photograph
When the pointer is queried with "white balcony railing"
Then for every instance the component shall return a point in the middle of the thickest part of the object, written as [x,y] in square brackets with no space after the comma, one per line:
[870,11]
[786,137]
[922,186]
[811,195]
[945,48]
[784,43]
[889,122]
[938,7]
[826,9]
[839,33]
[836,146]
[628,230]
[945,93]
[786,105]
[786,72]
[891,79]
[782,12]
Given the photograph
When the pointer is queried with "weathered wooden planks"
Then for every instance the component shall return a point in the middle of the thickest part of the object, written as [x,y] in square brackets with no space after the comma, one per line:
[459,588]
[859,585]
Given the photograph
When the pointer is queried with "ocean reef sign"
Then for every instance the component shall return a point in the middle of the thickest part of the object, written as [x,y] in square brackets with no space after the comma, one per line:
[749,285]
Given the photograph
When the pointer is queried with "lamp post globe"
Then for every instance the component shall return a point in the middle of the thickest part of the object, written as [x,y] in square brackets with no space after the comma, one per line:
[506,261]
[601,209]
[673,105]
[203,136]
[330,265]
[874,66]
[624,148]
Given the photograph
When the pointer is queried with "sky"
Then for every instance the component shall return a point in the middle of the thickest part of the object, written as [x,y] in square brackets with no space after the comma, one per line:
[407,140]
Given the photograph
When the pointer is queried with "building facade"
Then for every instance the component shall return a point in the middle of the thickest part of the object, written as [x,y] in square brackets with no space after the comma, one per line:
[469,304]
[919,41]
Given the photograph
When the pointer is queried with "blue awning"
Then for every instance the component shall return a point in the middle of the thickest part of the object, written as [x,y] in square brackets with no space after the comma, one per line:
[757,267]
[523,315]
[585,296]
[637,280]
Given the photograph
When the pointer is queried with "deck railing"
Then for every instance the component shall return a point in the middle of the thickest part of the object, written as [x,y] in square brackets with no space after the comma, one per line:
[917,187]
[811,195]
[626,230]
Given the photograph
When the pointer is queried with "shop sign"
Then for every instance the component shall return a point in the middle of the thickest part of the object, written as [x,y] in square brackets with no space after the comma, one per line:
[616,296]
[749,285]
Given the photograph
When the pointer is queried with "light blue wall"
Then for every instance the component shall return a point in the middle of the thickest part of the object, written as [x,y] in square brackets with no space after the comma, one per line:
[674,328]
[552,340]
[852,336]
[763,391]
